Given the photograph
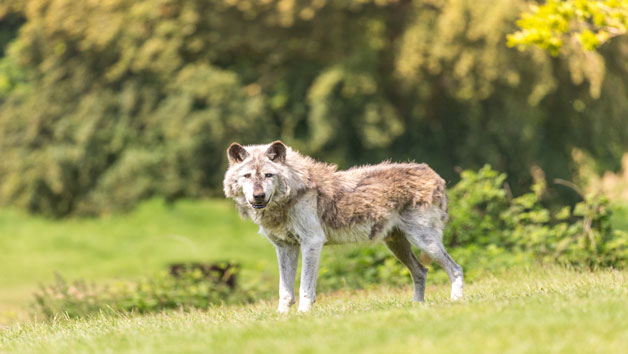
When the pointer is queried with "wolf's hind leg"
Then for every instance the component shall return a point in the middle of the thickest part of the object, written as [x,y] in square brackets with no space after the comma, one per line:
[401,248]
[429,240]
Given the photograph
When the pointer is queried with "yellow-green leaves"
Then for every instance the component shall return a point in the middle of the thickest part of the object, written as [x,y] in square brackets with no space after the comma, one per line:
[589,22]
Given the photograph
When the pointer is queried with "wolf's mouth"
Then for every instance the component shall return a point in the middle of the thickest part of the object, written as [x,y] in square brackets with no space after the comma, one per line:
[259,206]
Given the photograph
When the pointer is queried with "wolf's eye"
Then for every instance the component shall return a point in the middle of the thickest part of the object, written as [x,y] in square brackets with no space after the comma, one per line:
[268,175]
[248,175]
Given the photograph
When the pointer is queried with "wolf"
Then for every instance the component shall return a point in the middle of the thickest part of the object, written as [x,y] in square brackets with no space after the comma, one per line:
[302,204]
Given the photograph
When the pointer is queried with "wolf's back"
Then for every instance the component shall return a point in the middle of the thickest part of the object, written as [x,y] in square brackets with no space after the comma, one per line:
[375,192]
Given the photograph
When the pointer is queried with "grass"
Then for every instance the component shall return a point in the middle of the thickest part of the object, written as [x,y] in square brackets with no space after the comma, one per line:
[519,311]
[526,310]
[140,243]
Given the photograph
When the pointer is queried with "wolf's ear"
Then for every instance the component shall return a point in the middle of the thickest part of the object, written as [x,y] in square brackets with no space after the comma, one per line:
[276,152]
[236,153]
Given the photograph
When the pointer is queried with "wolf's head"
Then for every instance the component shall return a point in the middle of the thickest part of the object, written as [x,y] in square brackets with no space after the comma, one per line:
[258,175]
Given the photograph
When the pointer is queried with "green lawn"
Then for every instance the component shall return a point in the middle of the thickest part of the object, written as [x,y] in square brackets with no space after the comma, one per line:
[123,247]
[534,310]
[521,310]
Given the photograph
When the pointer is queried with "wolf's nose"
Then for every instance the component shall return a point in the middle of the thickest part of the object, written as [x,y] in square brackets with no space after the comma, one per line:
[259,197]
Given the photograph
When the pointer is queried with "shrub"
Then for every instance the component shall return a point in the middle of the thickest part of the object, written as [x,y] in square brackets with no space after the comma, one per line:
[184,287]
[581,236]
[358,267]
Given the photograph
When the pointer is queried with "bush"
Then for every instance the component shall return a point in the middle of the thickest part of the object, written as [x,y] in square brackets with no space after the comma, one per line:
[358,267]
[582,236]
[185,288]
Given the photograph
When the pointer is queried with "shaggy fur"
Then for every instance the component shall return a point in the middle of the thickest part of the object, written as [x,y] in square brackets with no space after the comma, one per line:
[300,203]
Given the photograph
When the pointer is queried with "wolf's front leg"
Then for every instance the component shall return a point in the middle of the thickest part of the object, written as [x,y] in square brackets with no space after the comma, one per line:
[287,257]
[311,255]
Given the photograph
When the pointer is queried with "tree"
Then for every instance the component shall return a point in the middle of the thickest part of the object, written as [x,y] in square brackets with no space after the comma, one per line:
[114,101]
[589,22]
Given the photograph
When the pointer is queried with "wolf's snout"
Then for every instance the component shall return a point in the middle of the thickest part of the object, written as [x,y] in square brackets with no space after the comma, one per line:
[259,200]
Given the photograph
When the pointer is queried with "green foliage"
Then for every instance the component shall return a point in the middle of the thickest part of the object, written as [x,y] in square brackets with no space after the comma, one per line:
[619,219]
[11,77]
[360,267]
[106,103]
[368,266]
[591,22]
[589,241]
[580,236]
[475,207]
[189,289]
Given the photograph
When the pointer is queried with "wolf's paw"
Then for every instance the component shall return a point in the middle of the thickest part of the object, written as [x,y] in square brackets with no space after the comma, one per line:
[305,305]
[284,305]
[456,290]
[283,309]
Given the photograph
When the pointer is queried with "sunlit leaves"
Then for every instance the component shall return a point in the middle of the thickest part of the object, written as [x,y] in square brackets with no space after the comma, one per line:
[590,22]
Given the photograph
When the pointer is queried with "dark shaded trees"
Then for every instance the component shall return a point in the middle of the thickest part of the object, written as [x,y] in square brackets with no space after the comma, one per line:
[108,102]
